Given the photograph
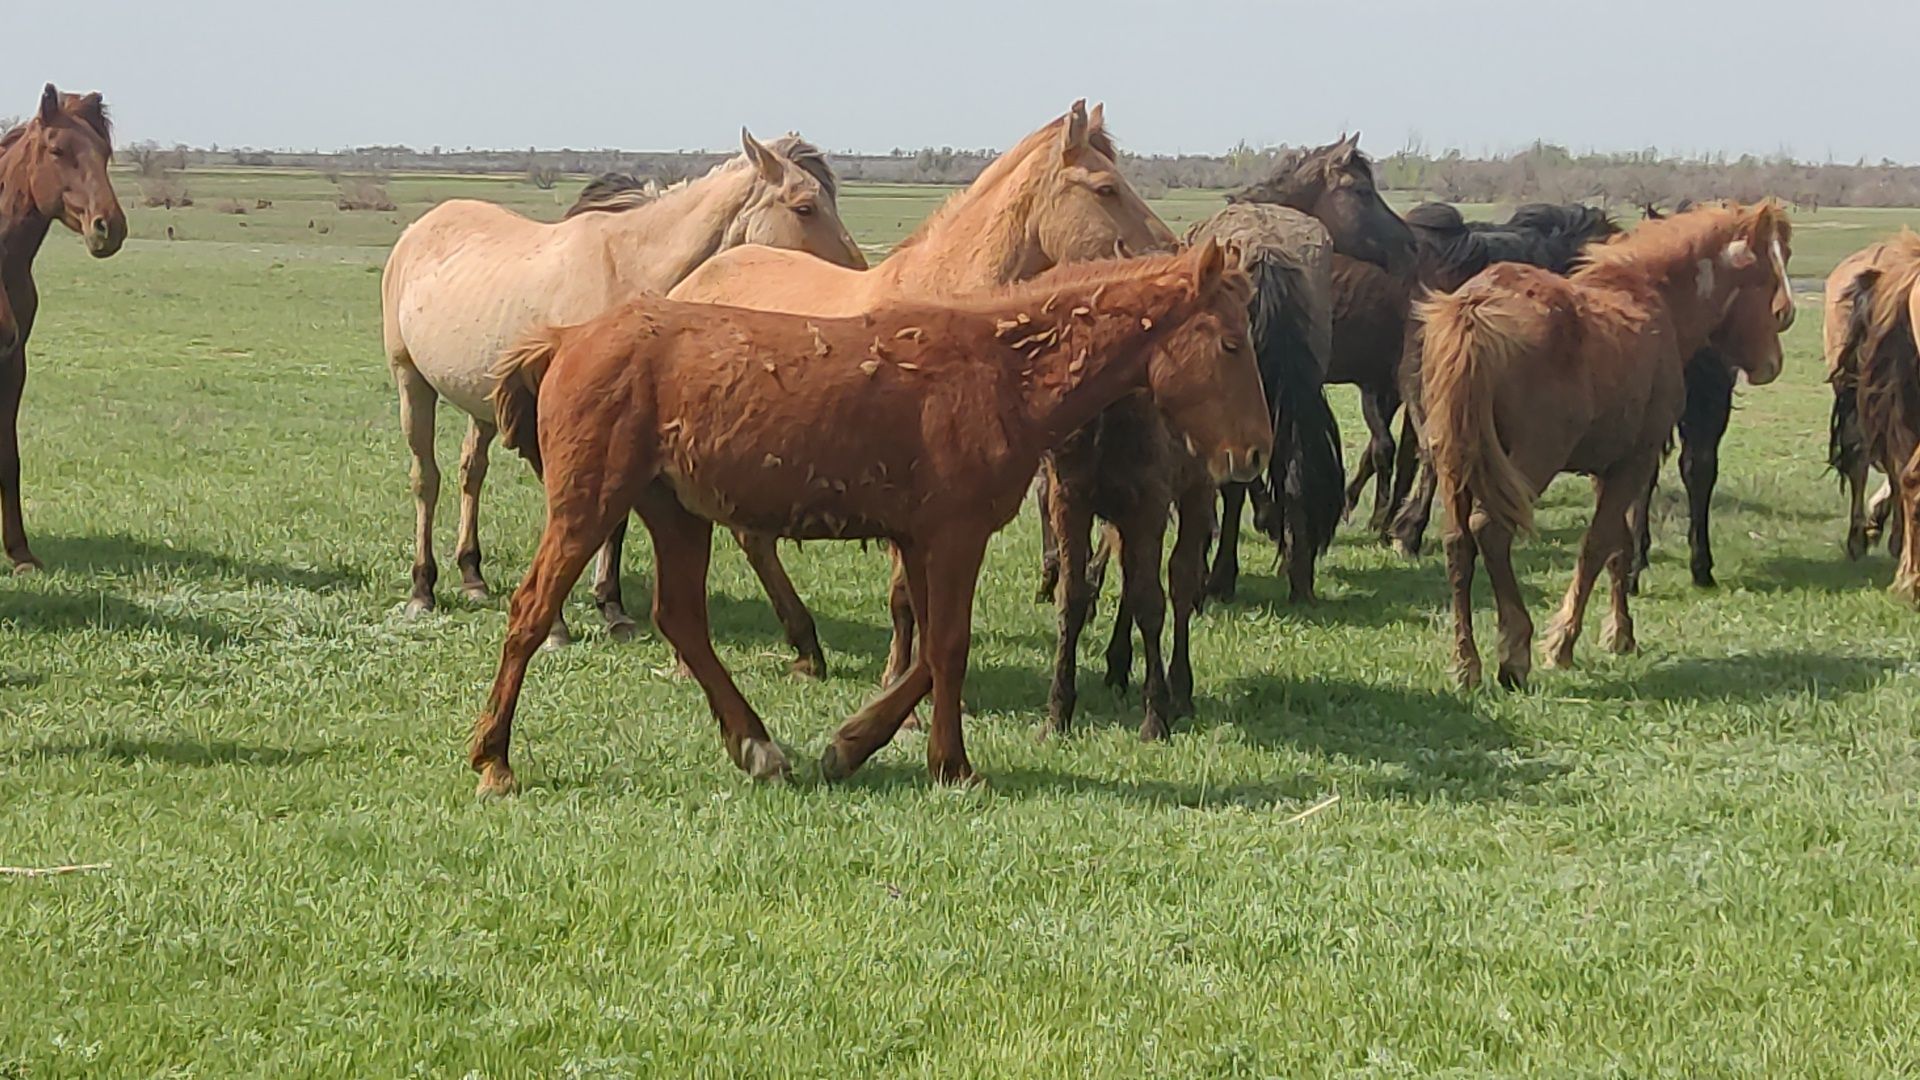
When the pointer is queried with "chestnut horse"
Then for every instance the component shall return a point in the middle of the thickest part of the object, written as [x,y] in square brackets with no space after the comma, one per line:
[1881,352]
[52,168]
[1056,197]
[1527,375]
[1846,443]
[917,423]
[470,278]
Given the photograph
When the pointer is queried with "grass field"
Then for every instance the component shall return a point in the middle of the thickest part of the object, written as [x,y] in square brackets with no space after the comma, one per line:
[1697,861]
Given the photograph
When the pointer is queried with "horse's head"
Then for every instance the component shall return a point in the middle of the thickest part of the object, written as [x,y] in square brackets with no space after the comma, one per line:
[1080,207]
[1335,184]
[793,203]
[1203,375]
[1760,306]
[59,158]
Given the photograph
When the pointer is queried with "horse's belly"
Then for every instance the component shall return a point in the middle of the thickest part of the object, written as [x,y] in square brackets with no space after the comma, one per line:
[787,505]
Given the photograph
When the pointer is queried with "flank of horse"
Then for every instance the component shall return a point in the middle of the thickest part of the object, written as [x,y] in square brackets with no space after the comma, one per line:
[1527,375]
[470,278]
[917,423]
[1055,198]
[1881,350]
[1846,443]
[53,168]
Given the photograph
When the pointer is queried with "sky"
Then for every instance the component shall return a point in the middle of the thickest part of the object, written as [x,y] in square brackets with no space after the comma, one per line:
[1822,82]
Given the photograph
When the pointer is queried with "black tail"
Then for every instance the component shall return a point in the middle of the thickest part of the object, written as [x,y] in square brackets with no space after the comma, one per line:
[1306,476]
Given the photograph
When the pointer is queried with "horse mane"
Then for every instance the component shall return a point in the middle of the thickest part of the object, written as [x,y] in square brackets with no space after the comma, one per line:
[1046,286]
[999,169]
[614,192]
[89,109]
[1657,247]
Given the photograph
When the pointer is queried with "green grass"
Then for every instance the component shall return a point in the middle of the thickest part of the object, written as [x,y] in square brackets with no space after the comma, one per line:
[1697,861]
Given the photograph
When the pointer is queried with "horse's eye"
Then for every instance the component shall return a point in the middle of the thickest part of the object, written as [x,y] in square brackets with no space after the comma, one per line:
[1106,191]
[1231,345]
[804,209]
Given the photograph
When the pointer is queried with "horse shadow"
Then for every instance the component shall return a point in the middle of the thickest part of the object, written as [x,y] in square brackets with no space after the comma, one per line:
[123,554]
[1751,678]
[181,753]
[1799,573]
[61,612]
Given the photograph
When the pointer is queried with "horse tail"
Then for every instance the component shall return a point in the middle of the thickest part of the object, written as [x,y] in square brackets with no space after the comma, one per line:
[516,377]
[1468,351]
[1880,351]
[1307,477]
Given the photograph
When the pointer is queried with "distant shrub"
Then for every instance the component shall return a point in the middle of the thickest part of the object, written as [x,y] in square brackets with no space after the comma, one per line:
[231,206]
[363,193]
[164,192]
[542,176]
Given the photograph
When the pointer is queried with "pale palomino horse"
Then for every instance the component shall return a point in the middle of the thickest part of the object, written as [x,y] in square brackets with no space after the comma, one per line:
[469,279]
[1057,197]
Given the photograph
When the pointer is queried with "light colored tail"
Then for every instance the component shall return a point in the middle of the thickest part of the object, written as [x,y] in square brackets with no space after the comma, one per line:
[1467,353]
[516,379]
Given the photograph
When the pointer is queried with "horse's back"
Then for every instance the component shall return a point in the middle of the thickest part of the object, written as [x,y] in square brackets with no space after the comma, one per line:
[776,279]
[469,279]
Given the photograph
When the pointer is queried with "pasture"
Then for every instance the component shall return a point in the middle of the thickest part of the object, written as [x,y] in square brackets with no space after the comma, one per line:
[1699,860]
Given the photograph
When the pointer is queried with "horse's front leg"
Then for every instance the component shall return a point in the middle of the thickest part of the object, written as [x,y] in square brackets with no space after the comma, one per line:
[1142,534]
[473,477]
[1185,582]
[1702,428]
[875,725]
[1225,575]
[953,572]
[1072,523]
[606,585]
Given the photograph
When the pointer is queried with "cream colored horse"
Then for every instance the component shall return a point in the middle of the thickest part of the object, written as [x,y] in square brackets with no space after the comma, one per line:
[470,279]
[1056,197]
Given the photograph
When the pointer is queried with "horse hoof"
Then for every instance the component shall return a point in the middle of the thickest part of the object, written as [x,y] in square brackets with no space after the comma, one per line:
[496,782]
[622,629]
[1117,679]
[418,606]
[1405,549]
[1906,588]
[1513,678]
[1857,545]
[957,776]
[1181,707]
[558,638]
[763,761]
[912,722]
[1155,729]
[476,591]
[809,666]
[28,565]
[1467,676]
[833,765]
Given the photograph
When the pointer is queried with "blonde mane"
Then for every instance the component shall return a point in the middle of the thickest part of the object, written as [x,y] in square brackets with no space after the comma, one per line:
[1657,248]
[997,172]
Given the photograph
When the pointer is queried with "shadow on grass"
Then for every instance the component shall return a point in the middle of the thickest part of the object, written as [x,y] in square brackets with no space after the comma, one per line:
[1834,573]
[1753,677]
[122,554]
[185,753]
[42,613]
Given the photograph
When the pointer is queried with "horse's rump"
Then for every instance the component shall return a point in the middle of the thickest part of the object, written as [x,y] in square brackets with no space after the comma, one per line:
[1880,349]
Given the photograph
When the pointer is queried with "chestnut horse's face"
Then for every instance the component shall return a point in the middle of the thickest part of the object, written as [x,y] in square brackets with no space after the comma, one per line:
[791,209]
[1206,382]
[65,149]
[1760,308]
[1084,209]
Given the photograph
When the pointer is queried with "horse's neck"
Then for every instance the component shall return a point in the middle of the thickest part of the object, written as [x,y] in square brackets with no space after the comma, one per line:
[656,245]
[1099,359]
[22,226]
[983,243]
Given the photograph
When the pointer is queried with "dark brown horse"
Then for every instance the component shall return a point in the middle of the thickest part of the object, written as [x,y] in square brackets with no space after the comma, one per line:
[1374,275]
[52,168]
[1527,375]
[920,423]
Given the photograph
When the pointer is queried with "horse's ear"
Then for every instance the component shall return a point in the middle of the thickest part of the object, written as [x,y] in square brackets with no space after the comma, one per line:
[1073,137]
[1211,262]
[1097,117]
[49,104]
[1349,145]
[765,162]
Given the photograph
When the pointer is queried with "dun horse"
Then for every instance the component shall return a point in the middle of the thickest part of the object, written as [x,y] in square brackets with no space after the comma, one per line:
[1527,375]
[644,408]
[471,278]
[52,168]
[1847,444]
[1881,351]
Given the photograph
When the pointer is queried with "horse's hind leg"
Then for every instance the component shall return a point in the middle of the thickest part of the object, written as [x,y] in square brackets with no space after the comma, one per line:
[1906,580]
[1461,552]
[473,474]
[1141,537]
[877,721]
[1049,543]
[682,546]
[418,400]
[565,546]
[1874,513]
[1516,626]
[1072,524]
[1378,404]
[606,585]
[1622,517]
[763,554]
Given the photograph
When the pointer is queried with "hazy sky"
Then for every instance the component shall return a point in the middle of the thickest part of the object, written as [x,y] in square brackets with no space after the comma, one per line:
[1816,79]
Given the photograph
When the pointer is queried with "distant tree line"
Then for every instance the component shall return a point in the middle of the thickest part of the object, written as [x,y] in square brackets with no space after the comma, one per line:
[1543,171]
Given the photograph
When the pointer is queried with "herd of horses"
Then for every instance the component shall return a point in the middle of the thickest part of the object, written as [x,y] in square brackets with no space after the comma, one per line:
[719,352]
